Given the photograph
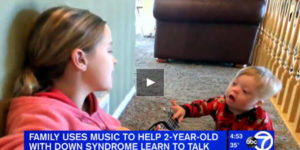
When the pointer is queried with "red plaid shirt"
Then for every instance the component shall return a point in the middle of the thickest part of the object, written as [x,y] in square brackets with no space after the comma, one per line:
[254,119]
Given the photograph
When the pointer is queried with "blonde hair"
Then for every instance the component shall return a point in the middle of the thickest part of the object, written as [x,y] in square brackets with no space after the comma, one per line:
[268,84]
[55,34]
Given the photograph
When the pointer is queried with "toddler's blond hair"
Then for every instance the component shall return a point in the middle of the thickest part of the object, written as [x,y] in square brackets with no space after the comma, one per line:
[268,84]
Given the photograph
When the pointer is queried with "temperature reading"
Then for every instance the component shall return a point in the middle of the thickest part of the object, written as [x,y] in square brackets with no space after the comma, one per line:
[234,145]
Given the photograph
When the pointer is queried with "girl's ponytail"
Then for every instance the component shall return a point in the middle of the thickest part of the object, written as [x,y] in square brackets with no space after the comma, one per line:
[26,83]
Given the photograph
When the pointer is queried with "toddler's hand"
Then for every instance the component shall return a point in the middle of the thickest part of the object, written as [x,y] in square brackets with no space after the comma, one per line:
[179,112]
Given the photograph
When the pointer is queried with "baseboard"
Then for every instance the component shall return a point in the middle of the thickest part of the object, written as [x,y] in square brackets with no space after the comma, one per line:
[124,103]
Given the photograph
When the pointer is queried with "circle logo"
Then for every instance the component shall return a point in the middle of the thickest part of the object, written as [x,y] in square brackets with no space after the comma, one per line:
[264,140]
[251,141]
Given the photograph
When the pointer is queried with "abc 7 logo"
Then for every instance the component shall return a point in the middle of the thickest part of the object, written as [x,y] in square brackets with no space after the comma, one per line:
[261,141]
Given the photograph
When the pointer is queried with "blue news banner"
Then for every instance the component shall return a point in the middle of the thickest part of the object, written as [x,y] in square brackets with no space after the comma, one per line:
[124,140]
[148,140]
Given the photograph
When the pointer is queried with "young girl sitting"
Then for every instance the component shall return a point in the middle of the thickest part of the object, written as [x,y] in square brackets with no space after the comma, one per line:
[68,57]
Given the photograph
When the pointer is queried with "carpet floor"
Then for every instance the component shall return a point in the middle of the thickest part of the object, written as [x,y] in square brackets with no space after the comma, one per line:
[187,81]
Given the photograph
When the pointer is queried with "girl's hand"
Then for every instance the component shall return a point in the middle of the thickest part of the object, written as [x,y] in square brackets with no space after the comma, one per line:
[158,128]
[179,112]
[122,129]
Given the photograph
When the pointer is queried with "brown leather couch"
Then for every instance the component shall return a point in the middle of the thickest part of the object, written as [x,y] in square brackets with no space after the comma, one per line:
[207,30]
